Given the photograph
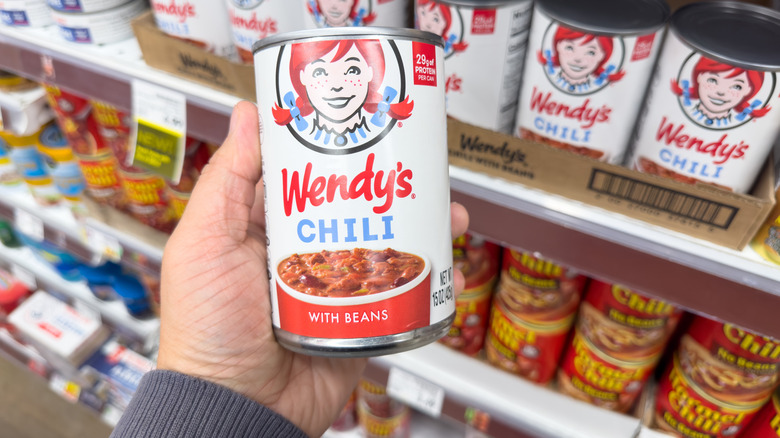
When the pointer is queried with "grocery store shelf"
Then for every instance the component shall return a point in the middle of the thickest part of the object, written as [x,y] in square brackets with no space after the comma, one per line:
[735,286]
[106,72]
[646,432]
[61,228]
[516,407]
[421,426]
[111,312]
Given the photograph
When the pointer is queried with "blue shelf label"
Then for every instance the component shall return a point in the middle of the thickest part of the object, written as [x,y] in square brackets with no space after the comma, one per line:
[76,35]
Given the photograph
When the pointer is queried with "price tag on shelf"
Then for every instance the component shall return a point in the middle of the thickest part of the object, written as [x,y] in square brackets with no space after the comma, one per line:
[159,130]
[28,224]
[104,244]
[415,392]
[23,275]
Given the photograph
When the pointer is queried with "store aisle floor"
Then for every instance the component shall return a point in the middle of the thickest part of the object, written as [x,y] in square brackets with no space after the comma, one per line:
[28,409]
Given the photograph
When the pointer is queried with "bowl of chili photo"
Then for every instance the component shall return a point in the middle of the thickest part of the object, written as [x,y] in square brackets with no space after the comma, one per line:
[367,291]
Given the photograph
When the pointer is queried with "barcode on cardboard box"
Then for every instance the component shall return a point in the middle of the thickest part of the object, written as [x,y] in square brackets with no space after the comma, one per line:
[689,206]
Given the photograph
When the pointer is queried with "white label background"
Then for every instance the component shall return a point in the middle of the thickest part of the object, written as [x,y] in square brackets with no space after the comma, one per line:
[390,13]
[421,223]
[624,96]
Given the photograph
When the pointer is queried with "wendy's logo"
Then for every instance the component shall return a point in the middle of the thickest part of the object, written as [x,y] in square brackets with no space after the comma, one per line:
[720,96]
[580,63]
[445,21]
[340,13]
[340,97]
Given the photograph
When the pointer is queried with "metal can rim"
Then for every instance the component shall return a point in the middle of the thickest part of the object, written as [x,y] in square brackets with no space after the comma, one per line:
[682,30]
[482,4]
[361,32]
[578,24]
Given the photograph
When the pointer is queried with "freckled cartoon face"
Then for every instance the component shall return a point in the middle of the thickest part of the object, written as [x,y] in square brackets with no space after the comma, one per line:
[579,59]
[430,19]
[719,93]
[338,88]
[336,12]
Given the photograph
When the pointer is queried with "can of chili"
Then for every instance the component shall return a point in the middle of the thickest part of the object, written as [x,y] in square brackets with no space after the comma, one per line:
[99,27]
[586,73]
[478,259]
[711,115]
[203,23]
[766,424]
[525,347]
[537,289]
[729,363]
[351,13]
[252,20]
[357,189]
[481,37]
[684,408]
[25,13]
[625,324]
[379,416]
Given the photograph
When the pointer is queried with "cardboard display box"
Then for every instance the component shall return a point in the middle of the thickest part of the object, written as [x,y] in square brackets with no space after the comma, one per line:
[701,211]
[189,61]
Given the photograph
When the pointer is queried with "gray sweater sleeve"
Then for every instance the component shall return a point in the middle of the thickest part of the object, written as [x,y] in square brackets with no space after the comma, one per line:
[170,404]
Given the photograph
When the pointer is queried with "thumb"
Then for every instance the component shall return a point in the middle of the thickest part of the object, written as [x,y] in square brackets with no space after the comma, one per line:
[222,200]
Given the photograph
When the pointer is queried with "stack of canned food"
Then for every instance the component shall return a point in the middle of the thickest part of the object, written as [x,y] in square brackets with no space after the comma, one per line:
[601,343]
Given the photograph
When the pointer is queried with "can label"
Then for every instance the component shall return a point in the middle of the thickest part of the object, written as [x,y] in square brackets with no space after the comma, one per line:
[101,176]
[766,242]
[83,5]
[202,22]
[625,324]
[766,424]
[356,185]
[25,13]
[253,20]
[341,13]
[582,91]
[706,121]
[538,289]
[103,27]
[479,40]
[682,407]
[477,259]
[591,375]
[146,199]
[729,363]
[522,347]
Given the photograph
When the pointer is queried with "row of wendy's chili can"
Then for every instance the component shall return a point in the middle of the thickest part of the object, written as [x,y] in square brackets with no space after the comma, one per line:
[601,342]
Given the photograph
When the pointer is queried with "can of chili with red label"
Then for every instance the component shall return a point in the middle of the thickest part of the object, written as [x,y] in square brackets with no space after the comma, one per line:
[478,259]
[525,347]
[538,289]
[481,38]
[685,408]
[729,363]
[766,424]
[586,73]
[712,112]
[357,189]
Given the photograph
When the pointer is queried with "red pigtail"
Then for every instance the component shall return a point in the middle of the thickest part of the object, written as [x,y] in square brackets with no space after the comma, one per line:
[540,57]
[616,76]
[282,116]
[401,110]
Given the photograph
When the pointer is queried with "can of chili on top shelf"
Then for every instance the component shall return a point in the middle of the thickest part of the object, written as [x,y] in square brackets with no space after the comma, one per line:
[481,39]
[357,189]
[252,20]
[712,110]
[203,23]
[720,377]
[586,73]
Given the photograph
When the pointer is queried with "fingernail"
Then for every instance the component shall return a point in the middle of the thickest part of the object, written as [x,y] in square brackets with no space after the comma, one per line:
[233,120]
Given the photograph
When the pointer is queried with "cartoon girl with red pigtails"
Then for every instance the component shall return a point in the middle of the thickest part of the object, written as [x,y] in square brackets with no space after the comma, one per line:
[436,17]
[339,13]
[725,94]
[578,62]
[339,81]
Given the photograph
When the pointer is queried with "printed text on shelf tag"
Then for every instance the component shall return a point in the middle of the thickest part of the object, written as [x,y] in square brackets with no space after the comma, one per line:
[415,392]
[159,130]
[28,224]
